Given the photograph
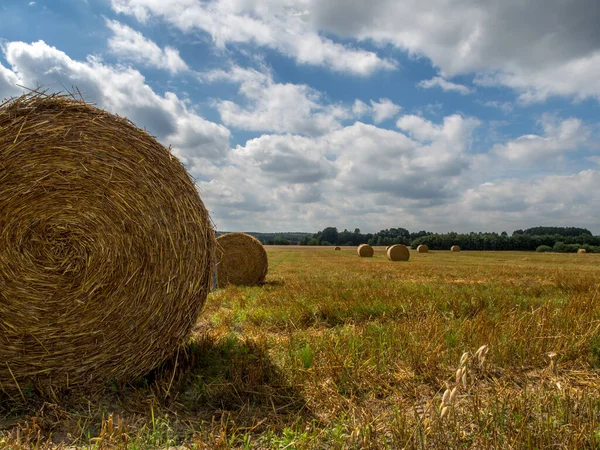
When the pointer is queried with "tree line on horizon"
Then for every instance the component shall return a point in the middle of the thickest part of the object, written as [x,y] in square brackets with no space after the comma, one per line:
[558,239]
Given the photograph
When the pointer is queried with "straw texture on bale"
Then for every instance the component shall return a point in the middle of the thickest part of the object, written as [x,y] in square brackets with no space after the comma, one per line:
[398,252]
[106,248]
[582,250]
[422,248]
[455,248]
[365,251]
[242,260]
[337,248]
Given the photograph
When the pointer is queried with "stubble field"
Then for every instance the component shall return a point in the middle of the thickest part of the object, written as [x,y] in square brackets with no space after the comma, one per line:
[336,351]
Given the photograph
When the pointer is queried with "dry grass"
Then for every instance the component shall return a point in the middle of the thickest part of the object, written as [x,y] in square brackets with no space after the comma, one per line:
[105,247]
[335,351]
[242,260]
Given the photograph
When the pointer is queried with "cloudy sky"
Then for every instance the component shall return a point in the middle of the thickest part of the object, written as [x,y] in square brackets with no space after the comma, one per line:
[294,115]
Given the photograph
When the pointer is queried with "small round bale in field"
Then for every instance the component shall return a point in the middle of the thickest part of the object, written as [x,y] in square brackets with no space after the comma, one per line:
[337,248]
[106,249]
[398,252]
[455,248]
[241,260]
[582,250]
[422,248]
[365,251]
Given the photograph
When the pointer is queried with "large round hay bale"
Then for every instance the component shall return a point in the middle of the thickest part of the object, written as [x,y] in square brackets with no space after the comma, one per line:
[582,250]
[455,248]
[241,260]
[365,251]
[337,248]
[398,252]
[423,248]
[106,248]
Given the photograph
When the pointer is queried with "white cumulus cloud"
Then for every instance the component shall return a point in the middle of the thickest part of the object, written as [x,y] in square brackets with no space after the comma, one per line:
[557,199]
[445,85]
[275,107]
[558,138]
[360,108]
[384,109]
[540,48]
[8,83]
[279,25]
[132,45]
[353,173]
[120,90]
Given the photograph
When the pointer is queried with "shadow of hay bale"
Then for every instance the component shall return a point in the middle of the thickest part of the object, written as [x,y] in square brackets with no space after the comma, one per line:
[228,373]
[209,378]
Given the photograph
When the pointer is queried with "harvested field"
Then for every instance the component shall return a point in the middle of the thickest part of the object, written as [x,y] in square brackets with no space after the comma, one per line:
[335,351]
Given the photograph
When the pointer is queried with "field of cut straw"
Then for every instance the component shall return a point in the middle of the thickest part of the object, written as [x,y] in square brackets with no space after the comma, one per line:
[447,350]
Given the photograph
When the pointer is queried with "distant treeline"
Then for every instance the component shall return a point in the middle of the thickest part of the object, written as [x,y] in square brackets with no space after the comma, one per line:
[331,236]
[560,239]
[561,231]
[286,238]
[495,241]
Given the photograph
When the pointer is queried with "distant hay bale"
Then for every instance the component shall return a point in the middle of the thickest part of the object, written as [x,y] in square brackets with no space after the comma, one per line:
[241,260]
[398,252]
[106,248]
[337,248]
[455,248]
[365,251]
[422,248]
[582,250]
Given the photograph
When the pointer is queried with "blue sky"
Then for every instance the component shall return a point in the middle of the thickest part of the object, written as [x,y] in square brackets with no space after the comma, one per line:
[300,114]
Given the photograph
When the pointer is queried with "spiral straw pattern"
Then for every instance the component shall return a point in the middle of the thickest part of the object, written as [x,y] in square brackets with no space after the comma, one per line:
[106,248]
[242,260]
